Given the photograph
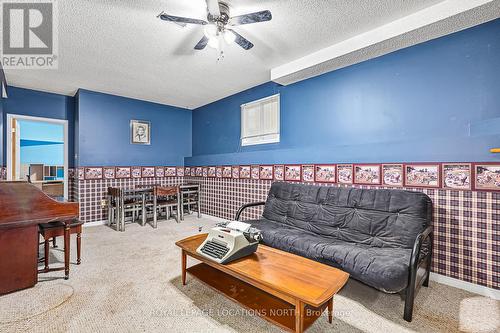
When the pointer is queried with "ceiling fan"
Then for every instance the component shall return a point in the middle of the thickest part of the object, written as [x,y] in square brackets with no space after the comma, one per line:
[217,31]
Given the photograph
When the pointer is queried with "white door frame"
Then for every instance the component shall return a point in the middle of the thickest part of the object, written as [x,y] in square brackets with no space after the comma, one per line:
[8,128]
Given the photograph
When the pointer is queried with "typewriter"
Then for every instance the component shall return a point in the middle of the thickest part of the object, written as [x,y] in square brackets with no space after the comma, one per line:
[229,241]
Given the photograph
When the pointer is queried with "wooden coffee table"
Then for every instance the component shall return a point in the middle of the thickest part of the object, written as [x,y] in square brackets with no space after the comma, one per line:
[285,289]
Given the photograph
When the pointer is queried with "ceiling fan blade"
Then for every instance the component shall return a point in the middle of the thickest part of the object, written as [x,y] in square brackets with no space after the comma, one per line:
[242,41]
[262,16]
[181,20]
[202,43]
[213,7]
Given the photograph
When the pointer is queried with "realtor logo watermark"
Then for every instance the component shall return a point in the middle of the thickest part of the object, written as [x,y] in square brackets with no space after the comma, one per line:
[29,34]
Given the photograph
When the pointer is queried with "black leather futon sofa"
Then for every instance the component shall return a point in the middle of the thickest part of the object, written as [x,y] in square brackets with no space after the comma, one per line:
[380,237]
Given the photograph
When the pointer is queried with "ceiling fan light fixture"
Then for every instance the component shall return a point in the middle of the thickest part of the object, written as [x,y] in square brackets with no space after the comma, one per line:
[213,42]
[210,31]
[229,36]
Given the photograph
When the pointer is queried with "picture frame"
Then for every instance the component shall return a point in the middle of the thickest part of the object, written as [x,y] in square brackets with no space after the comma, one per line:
[180,171]
[218,172]
[344,174]
[122,172]
[308,173]
[293,172]
[457,176]
[393,174]
[227,171]
[108,172]
[422,175]
[93,173]
[244,172]
[279,172]
[198,172]
[487,176]
[266,172]
[255,172]
[159,172]
[148,172]
[367,174]
[211,172]
[140,132]
[235,172]
[136,172]
[205,172]
[170,171]
[325,173]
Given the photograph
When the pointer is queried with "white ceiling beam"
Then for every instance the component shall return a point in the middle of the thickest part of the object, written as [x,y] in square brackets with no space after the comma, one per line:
[429,23]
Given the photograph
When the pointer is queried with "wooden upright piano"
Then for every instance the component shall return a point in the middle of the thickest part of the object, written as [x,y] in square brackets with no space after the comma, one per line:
[22,207]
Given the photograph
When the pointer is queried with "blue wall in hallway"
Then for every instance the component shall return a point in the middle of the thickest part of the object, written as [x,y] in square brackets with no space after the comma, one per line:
[103,131]
[39,104]
[436,101]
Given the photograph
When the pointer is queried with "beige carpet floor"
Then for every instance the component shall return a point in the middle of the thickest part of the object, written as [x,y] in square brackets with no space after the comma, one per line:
[130,282]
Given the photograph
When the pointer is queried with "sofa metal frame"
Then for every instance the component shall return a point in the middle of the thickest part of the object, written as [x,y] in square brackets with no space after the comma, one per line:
[417,260]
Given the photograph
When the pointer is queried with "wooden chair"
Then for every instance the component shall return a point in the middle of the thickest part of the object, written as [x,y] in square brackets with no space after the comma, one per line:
[55,229]
[166,198]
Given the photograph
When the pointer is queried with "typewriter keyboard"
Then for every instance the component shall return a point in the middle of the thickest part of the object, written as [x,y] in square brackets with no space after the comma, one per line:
[215,250]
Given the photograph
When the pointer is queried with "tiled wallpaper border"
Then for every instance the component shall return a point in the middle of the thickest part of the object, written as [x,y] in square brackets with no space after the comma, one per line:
[465,176]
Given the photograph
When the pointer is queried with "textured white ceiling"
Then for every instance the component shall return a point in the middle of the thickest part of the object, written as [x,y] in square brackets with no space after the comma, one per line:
[120,47]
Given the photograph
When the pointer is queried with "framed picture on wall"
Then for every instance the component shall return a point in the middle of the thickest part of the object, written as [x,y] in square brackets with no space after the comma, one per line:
[344,173]
[140,132]
[308,173]
[392,175]
[487,176]
[279,172]
[266,172]
[367,174]
[457,176]
[422,175]
[325,173]
[293,173]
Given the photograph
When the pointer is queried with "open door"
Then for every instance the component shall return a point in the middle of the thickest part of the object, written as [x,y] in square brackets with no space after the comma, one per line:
[37,151]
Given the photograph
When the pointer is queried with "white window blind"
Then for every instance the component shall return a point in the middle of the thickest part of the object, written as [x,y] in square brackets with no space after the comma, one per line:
[260,121]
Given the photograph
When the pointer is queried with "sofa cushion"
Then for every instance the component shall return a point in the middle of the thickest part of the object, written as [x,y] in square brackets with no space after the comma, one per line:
[383,268]
[375,218]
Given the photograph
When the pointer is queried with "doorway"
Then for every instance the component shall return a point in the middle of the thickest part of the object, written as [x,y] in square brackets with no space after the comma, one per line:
[37,151]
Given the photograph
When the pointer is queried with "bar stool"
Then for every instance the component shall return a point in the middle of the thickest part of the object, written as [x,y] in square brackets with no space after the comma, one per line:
[55,229]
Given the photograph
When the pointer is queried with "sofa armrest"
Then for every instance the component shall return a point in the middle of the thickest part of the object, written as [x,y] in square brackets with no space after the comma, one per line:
[428,233]
[415,261]
[245,206]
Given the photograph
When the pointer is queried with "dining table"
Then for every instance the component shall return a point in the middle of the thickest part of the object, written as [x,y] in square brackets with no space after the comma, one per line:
[186,190]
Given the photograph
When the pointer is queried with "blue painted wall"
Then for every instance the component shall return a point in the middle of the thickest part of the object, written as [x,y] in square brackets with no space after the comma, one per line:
[436,101]
[103,131]
[40,104]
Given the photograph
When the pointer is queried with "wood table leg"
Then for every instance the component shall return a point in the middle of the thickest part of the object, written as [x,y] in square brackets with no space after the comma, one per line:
[46,254]
[78,248]
[299,316]
[183,264]
[66,250]
[330,310]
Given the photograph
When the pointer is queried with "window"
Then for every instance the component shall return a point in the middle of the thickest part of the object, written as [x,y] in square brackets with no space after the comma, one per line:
[260,121]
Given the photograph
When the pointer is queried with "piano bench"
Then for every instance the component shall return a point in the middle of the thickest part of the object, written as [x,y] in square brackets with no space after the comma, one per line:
[55,229]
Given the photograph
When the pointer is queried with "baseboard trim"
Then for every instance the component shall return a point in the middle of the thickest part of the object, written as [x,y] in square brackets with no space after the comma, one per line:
[452,282]
[94,224]
[464,285]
